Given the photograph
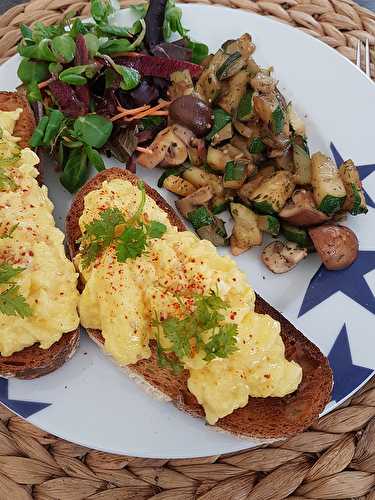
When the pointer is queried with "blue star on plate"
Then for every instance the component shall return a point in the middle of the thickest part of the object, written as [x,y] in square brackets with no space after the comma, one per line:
[23,408]
[364,171]
[349,281]
[347,376]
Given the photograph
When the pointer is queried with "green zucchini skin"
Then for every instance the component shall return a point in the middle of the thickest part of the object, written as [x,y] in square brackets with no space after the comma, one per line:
[269,224]
[271,196]
[296,234]
[355,202]
[328,188]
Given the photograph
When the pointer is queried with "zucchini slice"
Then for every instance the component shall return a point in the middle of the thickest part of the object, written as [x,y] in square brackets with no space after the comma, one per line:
[355,201]
[217,159]
[257,146]
[246,232]
[328,188]
[268,224]
[232,65]
[178,185]
[272,194]
[231,92]
[177,171]
[200,178]
[245,107]
[235,174]
[297,235]
[302,161]
[221,119]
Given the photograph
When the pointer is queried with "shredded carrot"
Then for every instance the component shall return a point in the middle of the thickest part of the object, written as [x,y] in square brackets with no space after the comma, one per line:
[44,84]
[147,151]
[133,111]
[125,112]
[141,112]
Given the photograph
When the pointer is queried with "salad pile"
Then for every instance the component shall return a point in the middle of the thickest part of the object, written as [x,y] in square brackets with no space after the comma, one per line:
[90,83]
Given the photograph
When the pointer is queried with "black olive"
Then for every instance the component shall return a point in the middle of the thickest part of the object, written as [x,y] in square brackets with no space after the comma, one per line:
[192,113]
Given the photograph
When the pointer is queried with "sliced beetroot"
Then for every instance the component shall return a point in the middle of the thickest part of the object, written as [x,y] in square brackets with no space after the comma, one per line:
[159,66]
[82,54]
[83,94]
[173,50]
[67,99]
[154,23]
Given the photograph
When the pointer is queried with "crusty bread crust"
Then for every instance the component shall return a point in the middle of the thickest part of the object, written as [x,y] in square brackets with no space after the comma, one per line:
[10,101]
[33,362]
[261,417]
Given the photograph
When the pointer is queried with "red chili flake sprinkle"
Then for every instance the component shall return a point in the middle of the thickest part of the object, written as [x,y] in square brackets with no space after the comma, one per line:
[234,279]
[267,375]
[232,315]
[31,253]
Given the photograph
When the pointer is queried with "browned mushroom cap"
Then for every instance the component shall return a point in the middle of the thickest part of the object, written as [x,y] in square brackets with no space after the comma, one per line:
[199,197]
[336,245]
[301,211]
[193,113]
[281,257]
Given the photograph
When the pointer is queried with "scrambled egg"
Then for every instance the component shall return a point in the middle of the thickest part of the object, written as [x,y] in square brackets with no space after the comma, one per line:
[49,280]
[122,299]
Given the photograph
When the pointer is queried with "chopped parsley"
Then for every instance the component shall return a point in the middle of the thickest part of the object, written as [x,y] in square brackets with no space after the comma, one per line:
[12,303]
[130,237]
[186,335]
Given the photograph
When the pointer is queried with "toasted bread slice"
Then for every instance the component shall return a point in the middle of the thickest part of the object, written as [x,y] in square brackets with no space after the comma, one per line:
[33,362]
[261,417]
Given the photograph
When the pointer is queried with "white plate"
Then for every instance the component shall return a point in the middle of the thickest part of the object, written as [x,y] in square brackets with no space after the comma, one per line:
[91,402]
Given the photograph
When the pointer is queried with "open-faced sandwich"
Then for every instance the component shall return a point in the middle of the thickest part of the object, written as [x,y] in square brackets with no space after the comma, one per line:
[38,295]
[183,319]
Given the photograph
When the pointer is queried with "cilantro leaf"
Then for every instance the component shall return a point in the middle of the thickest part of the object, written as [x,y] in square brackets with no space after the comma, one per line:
[179,333]
[9,233]
[100,233]
[155,229]
[132,243]
[12,303]
[206,316]
[208,310]
[7,272]
[223,343]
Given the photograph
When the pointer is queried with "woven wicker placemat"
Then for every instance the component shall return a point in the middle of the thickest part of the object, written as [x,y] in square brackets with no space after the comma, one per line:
[335,459]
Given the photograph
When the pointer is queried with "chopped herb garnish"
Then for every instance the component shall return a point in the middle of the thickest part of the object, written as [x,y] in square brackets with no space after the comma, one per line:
[186,334]
[12,303]
[130,240]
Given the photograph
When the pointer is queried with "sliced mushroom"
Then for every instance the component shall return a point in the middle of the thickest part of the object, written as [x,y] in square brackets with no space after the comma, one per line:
[196,199]
[281,257]
[167,147]
[301,211]
[336,245]
[183,133]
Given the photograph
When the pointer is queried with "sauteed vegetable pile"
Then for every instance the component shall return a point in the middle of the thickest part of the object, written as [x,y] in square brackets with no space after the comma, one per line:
[218,125]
